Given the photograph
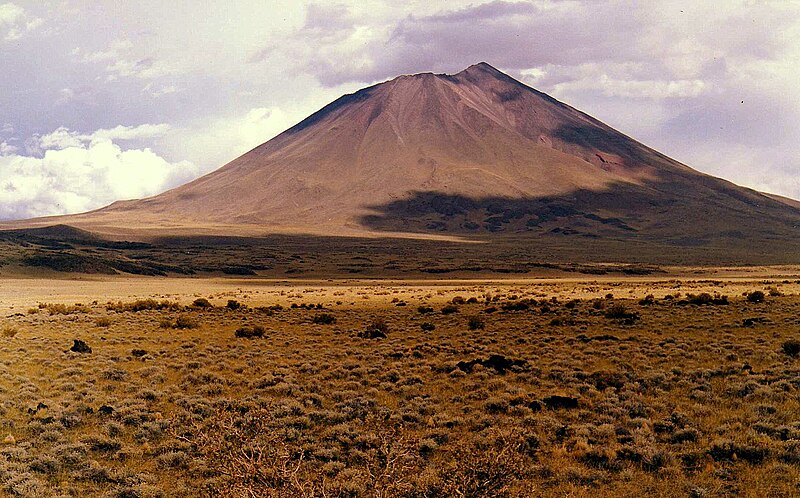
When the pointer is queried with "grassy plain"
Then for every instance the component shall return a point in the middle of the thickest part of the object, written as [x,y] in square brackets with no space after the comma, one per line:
[570,386]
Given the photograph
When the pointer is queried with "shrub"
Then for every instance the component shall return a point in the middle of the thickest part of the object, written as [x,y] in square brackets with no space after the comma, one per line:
[704,298]
[377,329]
[186,322]
[619,312]
[250,332]
[324,319]
[233,304]
[63,309]
[755,297]
[475,323]
[425,309]
[103,322]
[647,300]
[9,331]
[427,326]
[449,309]
[202,303]
[516,306]
[791,347]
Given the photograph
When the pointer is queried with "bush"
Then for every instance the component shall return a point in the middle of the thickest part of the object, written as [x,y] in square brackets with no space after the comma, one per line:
[324,319]
[377,329]
[647,300]
[791,347]
[475,323]
[250,332]
[202,303]
[704,298]
[186,322]
[427,326]
[449,309]
[103,321]
[9,331]
[425,309]
[755,297]
[233,304]
[619,312]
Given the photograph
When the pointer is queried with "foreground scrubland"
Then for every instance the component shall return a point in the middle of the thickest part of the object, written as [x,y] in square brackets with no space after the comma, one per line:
[472,390]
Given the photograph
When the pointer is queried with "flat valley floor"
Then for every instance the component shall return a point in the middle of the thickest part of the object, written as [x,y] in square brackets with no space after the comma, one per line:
[670,385]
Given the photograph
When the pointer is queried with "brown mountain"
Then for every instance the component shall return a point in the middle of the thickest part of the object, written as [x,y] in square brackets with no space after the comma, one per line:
[474,154]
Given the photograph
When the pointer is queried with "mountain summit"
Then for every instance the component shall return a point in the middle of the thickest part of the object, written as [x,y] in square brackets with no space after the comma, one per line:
[473,153]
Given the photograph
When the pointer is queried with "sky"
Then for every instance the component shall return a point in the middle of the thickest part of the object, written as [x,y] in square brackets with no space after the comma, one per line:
[102,100]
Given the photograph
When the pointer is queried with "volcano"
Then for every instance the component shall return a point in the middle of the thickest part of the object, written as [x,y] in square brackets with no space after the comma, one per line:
[471,155]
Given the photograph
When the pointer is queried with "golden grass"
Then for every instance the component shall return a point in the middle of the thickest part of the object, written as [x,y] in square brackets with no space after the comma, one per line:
[513,393]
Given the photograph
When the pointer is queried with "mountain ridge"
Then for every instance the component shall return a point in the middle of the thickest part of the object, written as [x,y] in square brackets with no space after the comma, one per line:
[469,155]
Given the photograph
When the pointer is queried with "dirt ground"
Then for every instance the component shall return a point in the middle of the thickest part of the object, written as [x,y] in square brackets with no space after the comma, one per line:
[684,384]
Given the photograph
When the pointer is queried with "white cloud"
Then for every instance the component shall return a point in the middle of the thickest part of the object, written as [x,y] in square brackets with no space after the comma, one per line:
[84,172]
[636,89]
[63,138]
[224,139]
[15,22]
[7,149]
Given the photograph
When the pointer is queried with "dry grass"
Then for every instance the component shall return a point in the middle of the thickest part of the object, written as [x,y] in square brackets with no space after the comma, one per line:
[514,394]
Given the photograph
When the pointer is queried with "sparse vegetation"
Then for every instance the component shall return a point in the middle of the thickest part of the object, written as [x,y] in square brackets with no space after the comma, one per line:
[683,403]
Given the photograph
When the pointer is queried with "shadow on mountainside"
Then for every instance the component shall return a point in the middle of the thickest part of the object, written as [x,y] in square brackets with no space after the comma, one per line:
[668,212]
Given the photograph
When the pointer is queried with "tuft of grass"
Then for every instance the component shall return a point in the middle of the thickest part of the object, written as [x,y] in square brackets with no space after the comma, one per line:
[755,297]
[9,331]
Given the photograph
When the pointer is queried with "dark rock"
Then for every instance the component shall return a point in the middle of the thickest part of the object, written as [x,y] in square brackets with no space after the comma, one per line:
[79,346]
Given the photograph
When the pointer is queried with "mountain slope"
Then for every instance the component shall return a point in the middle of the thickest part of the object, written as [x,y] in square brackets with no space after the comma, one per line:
[475,153]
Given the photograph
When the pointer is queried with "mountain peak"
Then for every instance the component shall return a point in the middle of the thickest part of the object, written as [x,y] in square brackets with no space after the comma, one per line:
[469,153]
[481,66]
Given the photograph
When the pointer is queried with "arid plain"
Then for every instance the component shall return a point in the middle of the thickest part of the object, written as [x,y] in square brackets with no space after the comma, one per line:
[680,384]
[439,285]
